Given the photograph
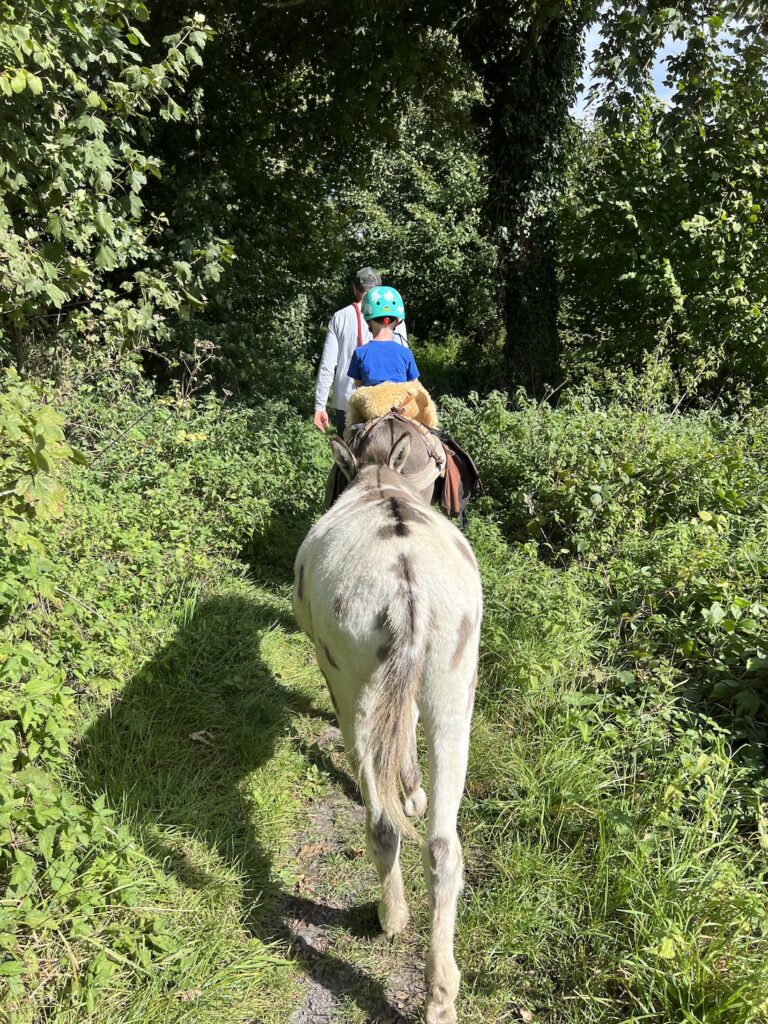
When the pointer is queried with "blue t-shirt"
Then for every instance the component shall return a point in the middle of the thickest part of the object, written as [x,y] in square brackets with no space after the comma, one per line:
[380,361]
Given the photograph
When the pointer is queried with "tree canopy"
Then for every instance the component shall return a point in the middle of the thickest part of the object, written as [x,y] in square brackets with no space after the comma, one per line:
[141,148]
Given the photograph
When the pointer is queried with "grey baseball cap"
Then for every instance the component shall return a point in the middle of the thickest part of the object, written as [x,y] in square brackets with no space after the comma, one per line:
[367,278]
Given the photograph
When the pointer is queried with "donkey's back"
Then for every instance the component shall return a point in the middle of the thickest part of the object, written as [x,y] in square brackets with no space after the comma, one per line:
[379,567]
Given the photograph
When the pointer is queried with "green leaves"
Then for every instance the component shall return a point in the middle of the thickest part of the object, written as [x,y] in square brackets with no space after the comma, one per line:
[666,514]
[55,294]
[42,492]
[32,447]
[660,253]
[72,138]
[105,258]
[16,82]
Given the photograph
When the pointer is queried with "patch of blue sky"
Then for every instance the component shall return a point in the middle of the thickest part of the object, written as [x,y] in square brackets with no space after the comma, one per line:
[580,109]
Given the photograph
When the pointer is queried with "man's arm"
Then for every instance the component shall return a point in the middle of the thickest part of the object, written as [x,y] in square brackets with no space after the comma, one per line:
[325,374]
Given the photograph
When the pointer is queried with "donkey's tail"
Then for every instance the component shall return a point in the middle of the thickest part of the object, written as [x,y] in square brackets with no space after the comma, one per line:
[390,724]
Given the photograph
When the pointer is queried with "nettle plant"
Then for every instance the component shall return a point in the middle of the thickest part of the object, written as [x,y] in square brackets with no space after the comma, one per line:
[80,259]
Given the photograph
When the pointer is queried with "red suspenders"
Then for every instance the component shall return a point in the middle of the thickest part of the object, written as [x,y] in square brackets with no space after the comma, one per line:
[359,324]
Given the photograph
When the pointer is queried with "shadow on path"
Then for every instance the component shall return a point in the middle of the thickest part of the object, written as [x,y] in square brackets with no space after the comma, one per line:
[211,682]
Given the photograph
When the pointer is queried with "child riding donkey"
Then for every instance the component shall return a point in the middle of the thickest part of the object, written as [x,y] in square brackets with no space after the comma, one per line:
[386,382]
[347,331]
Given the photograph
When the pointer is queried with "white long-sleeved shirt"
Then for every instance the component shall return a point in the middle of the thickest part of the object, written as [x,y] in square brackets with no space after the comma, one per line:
[340,344]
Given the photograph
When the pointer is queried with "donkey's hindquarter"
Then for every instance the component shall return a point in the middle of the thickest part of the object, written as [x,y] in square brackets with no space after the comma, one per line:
[389,593]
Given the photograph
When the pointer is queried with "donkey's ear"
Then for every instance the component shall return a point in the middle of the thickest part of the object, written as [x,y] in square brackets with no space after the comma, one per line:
[398,457]
[343,457]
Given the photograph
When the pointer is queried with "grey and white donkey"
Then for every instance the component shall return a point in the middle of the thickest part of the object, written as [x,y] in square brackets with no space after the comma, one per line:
[389,592]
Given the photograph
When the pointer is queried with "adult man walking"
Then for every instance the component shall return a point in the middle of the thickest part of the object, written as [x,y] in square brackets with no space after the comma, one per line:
[346,331]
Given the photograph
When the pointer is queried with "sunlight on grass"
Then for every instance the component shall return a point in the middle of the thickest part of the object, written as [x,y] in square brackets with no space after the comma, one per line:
[614,866]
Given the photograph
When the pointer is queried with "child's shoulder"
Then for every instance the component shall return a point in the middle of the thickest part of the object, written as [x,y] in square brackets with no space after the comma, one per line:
[385,349]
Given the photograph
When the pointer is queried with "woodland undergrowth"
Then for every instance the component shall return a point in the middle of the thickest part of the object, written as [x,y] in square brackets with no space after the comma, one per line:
[615,821]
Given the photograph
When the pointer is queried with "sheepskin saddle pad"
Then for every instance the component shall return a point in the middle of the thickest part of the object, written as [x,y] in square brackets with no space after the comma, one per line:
[411,397]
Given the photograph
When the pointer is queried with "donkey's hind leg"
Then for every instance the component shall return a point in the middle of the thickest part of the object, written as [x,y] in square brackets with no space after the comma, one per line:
[448,744]
[415,805]
[383,840]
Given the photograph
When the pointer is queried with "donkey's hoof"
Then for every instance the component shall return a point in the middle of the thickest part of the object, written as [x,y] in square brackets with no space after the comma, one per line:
[393,918]
[442,990]
[415,805]
[444,1013]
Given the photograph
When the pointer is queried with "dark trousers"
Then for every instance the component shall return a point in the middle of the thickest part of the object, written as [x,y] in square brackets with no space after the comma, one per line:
[338,419]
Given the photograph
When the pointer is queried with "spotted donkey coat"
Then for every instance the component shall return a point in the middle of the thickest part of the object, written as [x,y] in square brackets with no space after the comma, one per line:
[389,592]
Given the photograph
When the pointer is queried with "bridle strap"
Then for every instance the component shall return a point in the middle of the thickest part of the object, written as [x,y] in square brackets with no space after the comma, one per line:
[433,444]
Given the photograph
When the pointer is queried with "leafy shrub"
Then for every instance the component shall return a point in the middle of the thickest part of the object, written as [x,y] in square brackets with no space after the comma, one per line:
[623,841]
[538,621]
[269,357]
[78,252]
[172,492]
[44,833]
[668,514]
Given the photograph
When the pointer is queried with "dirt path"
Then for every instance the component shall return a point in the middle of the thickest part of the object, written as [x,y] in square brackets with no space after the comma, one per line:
[352,972]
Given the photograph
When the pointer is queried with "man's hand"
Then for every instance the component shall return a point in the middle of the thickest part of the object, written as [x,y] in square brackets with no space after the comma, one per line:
[321,421]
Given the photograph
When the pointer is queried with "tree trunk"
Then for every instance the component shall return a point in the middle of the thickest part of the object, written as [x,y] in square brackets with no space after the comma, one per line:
[529,72]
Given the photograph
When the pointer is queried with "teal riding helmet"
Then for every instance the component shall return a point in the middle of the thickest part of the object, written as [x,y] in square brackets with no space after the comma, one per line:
[383,301]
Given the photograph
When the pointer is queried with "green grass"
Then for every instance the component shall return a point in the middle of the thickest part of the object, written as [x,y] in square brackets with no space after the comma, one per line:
[611,874]
[615,847]
[195,756]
